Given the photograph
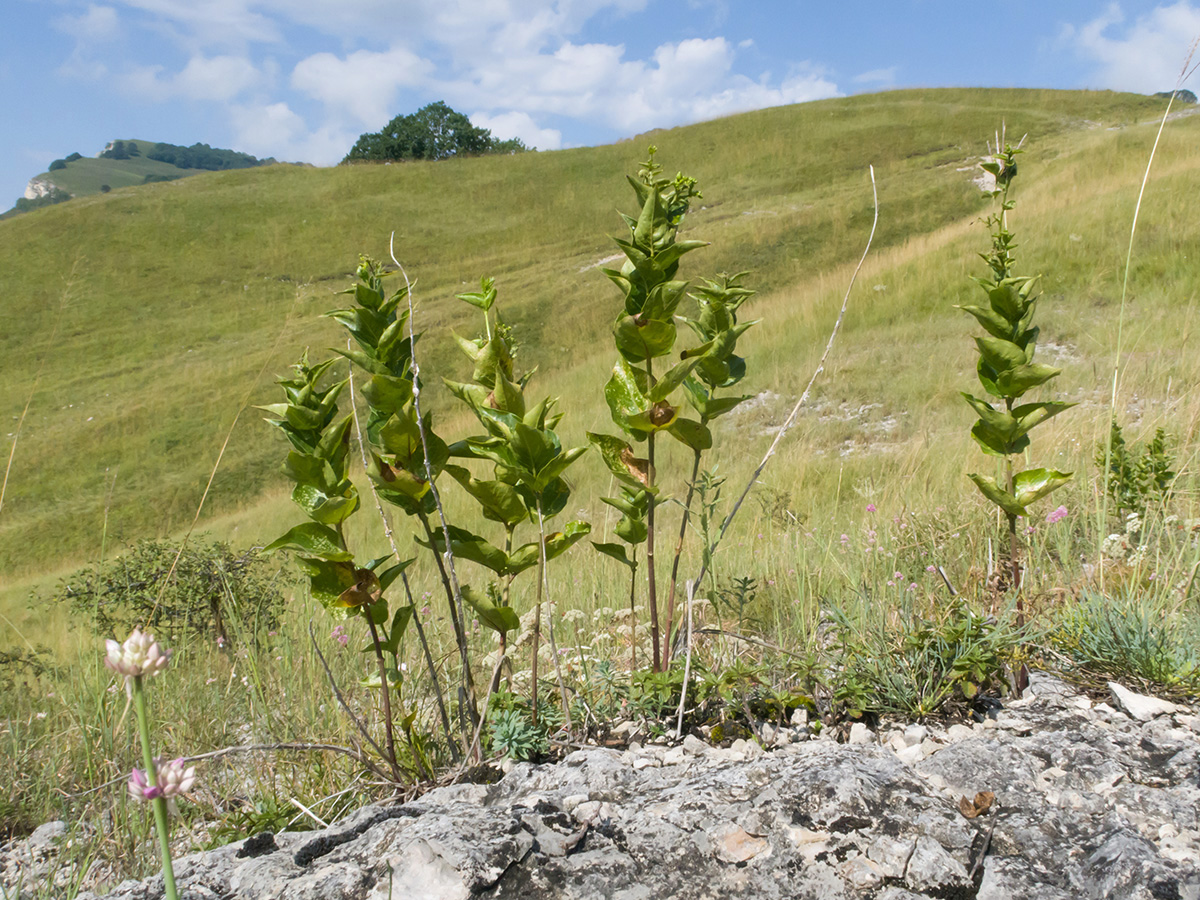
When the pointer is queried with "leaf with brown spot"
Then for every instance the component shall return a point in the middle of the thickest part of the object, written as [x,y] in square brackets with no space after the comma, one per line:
[638,467]
[365,590]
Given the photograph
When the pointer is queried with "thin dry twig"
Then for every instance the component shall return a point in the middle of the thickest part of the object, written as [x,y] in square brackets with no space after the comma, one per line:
[228,751]
[468,687]
[791,419]
[687,665]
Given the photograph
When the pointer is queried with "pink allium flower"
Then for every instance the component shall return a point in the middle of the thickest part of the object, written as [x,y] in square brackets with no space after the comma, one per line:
[1056,515]
[339,635]
[870,507]
[172,779]
[139,655]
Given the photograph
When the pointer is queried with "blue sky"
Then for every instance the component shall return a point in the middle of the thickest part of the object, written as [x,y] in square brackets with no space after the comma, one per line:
[301,79]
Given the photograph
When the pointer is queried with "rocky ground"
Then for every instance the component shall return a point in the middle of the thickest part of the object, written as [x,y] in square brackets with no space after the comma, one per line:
[1055,796]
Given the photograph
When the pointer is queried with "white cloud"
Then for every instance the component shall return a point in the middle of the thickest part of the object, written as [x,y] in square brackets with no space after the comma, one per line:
[1146,56]
[274,129]
[363,84]
[682,82]
[218,78]
[99,23]
[519,125]
[885,77]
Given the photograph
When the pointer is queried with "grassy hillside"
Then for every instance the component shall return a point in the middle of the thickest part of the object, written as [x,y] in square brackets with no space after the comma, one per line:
[136,324]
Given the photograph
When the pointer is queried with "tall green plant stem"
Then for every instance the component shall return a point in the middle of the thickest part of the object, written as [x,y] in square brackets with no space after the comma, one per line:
[158,803]
[1013,546]
[651,585]
[387,530]
[562,688]
[385,691]
[683,524]
[460,636]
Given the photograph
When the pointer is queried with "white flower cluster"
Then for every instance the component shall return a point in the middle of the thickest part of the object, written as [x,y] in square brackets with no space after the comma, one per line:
[139,655]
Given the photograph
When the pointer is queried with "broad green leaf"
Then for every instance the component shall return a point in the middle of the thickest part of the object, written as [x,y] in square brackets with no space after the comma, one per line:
[394,634]
[499,502]
[322,507]
[390,574]
[1030,415]
[632,530]
[691,433]
[484,297]
[474,395]
[508,396]
[1007,302]
[314,539]
[327,580]
[1016,382]
[1034,484]
[557,543]
[1000,354]
[498,618]
[1002,498]
[995,444]
[995,324]
[673,378]
[388,394]
[997,420]
[626,393]
[617,552]
[469,347]
[640,339]
[465,545]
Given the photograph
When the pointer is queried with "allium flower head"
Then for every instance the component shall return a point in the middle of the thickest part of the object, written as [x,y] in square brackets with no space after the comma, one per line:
[1056,515]
[171,778]
[139,655]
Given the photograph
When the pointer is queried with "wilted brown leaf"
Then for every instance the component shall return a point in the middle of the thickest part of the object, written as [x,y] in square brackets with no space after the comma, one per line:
[973,808]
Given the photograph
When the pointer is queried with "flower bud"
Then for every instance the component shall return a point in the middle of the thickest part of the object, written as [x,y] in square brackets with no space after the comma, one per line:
[139,655]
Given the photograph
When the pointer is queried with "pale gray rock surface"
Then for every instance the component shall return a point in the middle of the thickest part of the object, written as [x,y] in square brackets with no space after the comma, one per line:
[1090,803]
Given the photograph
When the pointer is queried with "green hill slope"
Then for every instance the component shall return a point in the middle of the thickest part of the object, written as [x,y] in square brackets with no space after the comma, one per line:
[137,323]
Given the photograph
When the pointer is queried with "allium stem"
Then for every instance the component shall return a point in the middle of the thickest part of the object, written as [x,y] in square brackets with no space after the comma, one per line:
[159,803]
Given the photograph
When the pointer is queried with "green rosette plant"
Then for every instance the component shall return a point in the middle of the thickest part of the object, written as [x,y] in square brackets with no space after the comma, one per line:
[1007,371]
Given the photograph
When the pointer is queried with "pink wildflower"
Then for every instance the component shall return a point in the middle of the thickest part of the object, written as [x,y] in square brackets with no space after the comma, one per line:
[1056,515]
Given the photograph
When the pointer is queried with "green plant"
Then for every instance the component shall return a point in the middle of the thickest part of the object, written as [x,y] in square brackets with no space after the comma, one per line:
[639,401]
[914,668]
[210,585]
[1130,638]
[513,733]
[528,462]
[319,463]
[1137,475]
[1007,371]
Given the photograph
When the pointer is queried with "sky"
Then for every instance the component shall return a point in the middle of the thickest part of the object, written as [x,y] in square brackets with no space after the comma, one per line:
[300,80]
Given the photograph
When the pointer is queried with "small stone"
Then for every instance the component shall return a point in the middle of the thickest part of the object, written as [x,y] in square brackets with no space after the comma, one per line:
[572,802]
[674,756]
[1140,706]
[932,867]
[860,734]
[799,717]
[695,746]
[767,733]
[891,855]
[646,762]
[862,873]
[910,756]
[915,734]
[735,845]
[958,732]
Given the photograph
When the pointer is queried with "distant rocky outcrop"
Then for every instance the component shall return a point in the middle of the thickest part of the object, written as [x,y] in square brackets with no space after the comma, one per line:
[1055,797]
[39,187]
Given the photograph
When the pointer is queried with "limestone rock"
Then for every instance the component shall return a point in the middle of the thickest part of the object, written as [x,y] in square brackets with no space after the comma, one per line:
[1086,806]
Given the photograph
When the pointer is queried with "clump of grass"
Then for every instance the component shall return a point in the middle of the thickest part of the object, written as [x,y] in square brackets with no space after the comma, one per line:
[1127,638]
